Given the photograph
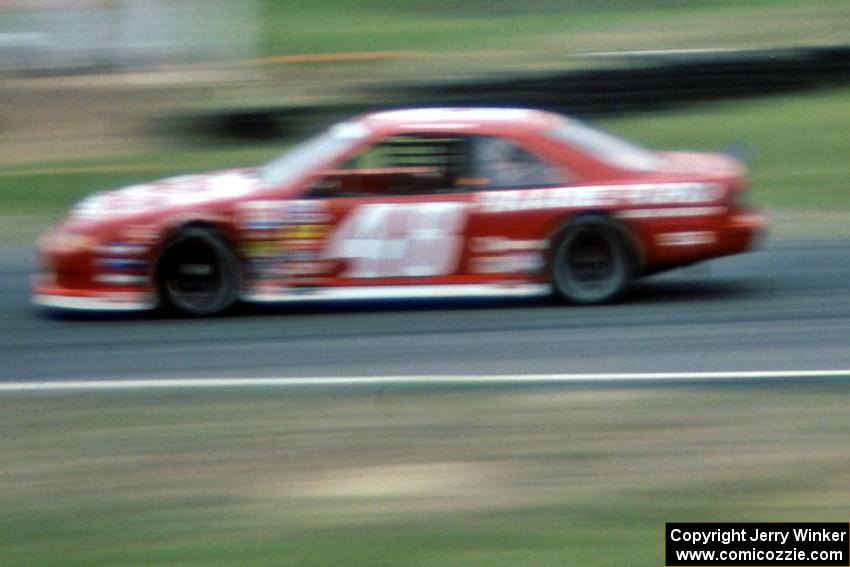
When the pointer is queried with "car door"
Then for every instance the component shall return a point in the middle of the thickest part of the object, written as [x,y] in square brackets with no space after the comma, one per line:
[397,213]
[509,222]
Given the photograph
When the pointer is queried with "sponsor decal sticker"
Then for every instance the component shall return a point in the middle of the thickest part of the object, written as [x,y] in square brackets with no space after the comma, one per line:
[531,262]
[695,238]
[484,244]
[121,279]
[389,240]
[121,249]
[598,196]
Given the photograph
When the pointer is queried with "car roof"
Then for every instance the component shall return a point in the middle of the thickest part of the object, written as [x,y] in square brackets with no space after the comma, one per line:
[460,118]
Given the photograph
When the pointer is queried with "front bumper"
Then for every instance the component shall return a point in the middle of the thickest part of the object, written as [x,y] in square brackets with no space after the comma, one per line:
[87,271]
[53,297]
[743,230]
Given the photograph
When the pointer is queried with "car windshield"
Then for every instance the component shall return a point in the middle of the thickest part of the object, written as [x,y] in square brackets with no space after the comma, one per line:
[606,147]
[310,153]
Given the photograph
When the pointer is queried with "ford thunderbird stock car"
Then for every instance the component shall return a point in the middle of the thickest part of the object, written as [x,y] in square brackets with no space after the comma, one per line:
[404,203]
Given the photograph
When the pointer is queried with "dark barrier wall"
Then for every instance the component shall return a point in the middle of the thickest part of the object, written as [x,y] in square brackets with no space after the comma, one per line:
[631,83]
[650,82]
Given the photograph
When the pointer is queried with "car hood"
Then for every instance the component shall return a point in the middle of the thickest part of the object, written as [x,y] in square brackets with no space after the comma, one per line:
[182,191]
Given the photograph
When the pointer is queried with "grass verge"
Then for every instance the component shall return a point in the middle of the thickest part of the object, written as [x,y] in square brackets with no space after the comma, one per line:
[534,477]
[540,30]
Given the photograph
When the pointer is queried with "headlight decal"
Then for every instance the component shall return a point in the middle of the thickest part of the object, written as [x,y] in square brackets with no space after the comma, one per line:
[122,263]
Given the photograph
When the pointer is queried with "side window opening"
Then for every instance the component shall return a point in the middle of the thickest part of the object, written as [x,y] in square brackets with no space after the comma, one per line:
[423,164]
[502,164]
[402,165]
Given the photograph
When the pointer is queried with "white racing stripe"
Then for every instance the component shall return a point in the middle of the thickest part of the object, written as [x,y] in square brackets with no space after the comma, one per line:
[104,303]
[421,380]
[446,291]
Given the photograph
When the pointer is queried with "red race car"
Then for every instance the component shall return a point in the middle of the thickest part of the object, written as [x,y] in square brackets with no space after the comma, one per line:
[407,203]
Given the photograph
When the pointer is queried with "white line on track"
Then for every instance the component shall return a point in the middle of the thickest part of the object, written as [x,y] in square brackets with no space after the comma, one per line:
[433,380]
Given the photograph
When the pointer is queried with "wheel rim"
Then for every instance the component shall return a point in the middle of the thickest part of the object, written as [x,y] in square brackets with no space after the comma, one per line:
[193,277]
[591,268]
[590,260]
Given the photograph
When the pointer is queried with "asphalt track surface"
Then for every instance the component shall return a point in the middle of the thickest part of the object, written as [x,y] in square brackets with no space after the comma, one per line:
[785,306]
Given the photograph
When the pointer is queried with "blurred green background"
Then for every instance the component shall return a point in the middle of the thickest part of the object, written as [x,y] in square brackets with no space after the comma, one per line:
[537,26]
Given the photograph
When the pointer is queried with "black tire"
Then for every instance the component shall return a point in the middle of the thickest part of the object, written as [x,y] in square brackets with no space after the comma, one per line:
[591,261]
[198,274]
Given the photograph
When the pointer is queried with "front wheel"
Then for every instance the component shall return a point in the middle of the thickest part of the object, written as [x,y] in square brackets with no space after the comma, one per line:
[198,273]
[591,262]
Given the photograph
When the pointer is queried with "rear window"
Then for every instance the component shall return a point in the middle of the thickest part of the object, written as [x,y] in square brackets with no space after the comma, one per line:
[606,147]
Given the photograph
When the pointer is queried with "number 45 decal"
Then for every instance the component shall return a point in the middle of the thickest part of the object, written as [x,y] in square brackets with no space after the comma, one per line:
[391,240]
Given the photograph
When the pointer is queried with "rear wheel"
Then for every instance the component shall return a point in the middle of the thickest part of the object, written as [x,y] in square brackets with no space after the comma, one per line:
[591,261]
[198,273]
